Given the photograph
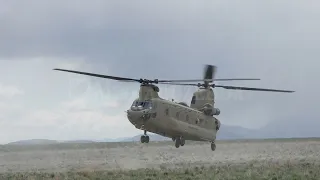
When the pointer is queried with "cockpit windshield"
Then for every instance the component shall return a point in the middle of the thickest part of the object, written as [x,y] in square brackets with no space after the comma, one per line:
[139,105]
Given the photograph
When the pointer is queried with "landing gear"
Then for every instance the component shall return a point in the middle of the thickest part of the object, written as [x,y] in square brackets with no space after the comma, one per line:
[144,138]
[179,141]
[182,141]
[213,146]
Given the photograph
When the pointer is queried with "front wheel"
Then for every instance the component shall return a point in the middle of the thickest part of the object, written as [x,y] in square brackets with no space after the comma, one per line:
[177,143]
[142,139]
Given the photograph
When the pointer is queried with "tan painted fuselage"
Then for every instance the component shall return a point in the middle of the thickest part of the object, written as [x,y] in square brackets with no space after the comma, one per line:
[171,119]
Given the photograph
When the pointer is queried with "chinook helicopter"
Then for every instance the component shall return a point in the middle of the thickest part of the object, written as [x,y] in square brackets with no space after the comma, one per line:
[177,120]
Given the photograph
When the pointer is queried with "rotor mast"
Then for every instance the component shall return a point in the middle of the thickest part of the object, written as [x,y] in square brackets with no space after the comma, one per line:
[205,95]
[148,91]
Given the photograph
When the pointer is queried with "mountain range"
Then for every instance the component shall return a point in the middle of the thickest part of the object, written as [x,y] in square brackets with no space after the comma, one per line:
[283,129]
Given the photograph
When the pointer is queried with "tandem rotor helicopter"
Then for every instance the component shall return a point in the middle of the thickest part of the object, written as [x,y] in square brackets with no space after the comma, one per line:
[178,121]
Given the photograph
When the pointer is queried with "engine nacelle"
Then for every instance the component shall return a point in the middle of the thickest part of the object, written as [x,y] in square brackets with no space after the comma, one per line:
[216,111]
[210,111]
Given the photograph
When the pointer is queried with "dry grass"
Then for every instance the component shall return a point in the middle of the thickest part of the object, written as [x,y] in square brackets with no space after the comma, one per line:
[250,170]
[253,159]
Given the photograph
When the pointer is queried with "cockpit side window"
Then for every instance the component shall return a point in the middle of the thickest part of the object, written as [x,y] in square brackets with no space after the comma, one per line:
[142,104]
[147,105]
[193,101]
[135,103]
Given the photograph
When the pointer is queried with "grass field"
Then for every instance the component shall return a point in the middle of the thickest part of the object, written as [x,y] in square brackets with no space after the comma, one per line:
[251,170]
[263,159]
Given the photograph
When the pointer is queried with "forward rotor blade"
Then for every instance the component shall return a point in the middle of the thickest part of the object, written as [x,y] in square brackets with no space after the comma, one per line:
[138,80]
[99,75]
[252,89]
[184,80]
[210,80]
[179,84]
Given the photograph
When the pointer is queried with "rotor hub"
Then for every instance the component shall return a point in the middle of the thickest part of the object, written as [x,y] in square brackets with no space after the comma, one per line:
[148,81]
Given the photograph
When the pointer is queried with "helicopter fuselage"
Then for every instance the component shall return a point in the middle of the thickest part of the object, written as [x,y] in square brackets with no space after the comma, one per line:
[171,119]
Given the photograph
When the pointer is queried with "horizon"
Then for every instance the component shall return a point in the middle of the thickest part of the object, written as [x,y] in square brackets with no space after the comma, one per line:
[127,140]
[131,138]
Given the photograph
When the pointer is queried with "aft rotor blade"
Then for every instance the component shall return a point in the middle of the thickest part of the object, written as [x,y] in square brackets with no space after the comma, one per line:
[252,89]
[99,75]
[209,72]
[238,79]
[210,80]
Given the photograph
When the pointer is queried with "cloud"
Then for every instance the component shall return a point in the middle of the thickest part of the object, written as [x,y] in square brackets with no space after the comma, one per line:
[77,104]
[53,107]
[277,42]
[9,95]
[70,121]
[9,91]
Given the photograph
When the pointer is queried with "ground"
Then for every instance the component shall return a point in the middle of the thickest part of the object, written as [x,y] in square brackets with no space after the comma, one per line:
[194,160]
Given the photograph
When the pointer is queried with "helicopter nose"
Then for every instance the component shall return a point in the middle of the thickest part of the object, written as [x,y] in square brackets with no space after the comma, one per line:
[137,118]
[133,115]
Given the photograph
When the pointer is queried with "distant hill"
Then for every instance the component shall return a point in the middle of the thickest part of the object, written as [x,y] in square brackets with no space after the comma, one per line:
[78,141]
[235,132]
[121,139]
[46,141]
[298,127]
[293,128]
[280,129]
[33,142]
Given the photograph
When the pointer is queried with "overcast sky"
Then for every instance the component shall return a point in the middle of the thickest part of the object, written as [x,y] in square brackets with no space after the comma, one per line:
[278,42]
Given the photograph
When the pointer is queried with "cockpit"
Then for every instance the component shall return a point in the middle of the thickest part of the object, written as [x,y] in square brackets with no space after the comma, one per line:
[141,105]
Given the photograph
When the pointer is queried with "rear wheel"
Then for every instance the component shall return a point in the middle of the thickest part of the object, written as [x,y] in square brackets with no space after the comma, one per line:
[213,146]
[182,142]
